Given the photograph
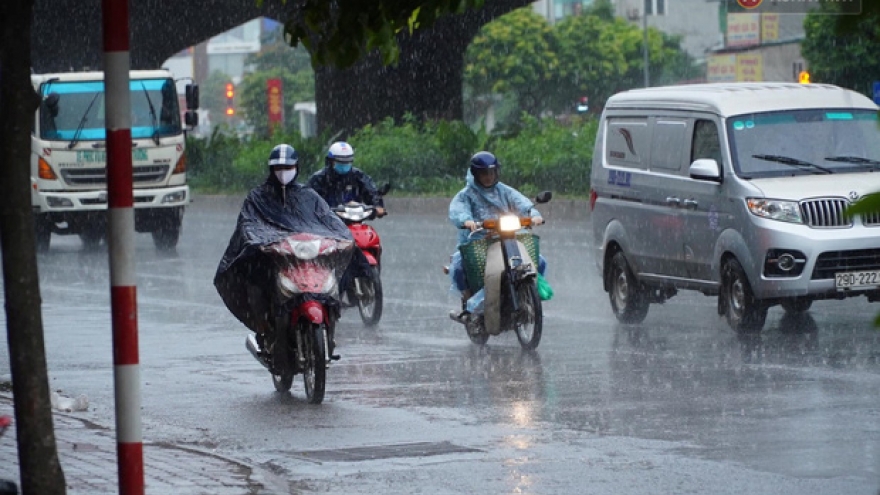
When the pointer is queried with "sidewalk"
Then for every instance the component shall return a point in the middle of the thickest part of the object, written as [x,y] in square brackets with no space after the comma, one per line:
[88,458]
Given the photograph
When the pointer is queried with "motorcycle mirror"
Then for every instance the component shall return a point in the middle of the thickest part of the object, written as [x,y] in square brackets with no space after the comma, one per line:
[384,189]
[544,197]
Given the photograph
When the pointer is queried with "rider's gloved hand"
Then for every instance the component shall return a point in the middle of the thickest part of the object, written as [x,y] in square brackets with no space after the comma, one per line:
[537,220]
[380,212]
[470,224]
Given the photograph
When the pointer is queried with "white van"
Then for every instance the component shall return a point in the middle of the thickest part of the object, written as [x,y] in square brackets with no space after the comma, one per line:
[737,190]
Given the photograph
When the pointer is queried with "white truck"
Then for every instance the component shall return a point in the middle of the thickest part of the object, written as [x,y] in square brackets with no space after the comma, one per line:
[69,156]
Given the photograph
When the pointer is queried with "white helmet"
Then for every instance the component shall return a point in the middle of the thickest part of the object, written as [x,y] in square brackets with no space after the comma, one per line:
[341,152]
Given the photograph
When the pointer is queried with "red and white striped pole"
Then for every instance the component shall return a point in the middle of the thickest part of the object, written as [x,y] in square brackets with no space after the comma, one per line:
[120,242]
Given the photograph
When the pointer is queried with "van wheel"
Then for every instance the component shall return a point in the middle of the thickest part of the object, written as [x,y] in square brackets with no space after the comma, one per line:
[628,300]
[745,314]
[796,305]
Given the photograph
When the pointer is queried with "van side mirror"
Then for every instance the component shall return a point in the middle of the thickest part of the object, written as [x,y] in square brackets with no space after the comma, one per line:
[544,197]
[705,169]
[192,96]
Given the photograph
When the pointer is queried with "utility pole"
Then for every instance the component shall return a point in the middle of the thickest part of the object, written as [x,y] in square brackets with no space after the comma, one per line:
[645,44]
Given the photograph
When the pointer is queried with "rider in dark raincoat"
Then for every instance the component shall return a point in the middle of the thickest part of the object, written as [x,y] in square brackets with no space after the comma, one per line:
[271,212]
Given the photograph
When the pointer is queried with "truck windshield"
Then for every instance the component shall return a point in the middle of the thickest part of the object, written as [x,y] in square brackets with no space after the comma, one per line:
[795,142]
[68,105]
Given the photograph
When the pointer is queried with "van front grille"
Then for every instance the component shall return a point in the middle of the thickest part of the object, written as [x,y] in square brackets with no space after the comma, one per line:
[871,219]
[149,174]
[831,262]
[826,213]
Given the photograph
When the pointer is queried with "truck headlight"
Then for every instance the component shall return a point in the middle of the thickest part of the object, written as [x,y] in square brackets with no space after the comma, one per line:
[775,209]
[175,197]
[56,202]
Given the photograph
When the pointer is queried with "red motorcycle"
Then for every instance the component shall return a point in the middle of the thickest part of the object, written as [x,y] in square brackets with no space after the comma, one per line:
[365,292]
[301,340]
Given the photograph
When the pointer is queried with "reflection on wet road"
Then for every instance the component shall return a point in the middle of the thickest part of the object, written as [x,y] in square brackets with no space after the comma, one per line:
[679,403]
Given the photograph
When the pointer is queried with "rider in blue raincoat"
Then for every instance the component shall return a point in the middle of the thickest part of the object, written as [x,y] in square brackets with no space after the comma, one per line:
[483,197]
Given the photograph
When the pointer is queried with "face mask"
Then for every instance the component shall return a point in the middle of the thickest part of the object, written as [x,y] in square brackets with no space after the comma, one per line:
[341,168]
[285,176]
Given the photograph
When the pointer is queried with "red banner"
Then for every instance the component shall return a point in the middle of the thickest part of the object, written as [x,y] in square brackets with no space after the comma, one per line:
[275,103]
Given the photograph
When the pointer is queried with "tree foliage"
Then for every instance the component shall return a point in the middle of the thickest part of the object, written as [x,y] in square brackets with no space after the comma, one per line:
[340,32]
[516,55]
[842,49]
[546,68]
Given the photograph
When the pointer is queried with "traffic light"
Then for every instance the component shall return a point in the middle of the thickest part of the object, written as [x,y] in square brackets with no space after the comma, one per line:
[804,77]
[230,99]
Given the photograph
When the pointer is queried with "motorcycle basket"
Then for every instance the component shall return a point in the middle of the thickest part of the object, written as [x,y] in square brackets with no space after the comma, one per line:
[473,256]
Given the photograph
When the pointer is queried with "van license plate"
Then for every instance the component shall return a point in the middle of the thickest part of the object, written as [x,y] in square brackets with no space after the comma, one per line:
[857,280]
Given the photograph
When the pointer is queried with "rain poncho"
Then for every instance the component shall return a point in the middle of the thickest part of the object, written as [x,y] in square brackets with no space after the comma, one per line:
[478,203]
[270,213]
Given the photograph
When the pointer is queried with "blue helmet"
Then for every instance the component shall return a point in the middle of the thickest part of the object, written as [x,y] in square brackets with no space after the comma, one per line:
[283,155]
[484,161]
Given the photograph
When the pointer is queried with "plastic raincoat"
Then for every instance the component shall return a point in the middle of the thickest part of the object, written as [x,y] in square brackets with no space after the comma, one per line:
[477,203]
[270,213]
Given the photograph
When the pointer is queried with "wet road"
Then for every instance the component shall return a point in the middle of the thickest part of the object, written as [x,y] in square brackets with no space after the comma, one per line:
[678,404]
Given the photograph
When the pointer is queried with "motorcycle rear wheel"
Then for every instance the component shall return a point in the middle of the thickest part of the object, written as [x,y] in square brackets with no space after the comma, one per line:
[529,321]
[370,305]
[315,369]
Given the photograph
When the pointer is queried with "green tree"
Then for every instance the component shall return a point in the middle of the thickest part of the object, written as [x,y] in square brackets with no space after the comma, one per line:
[842,49]
[543,68]
[516,55]
[276,60]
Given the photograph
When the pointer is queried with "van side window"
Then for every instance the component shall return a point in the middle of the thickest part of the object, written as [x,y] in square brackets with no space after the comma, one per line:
[668,142]
[706,143]
[626,142]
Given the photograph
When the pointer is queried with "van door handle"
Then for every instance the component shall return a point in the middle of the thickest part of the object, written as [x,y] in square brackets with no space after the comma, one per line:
[690,203]
[673,201]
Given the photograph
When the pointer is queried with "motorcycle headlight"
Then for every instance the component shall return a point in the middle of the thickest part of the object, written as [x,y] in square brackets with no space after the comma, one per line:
[509,223]
[306,250]
[775,209]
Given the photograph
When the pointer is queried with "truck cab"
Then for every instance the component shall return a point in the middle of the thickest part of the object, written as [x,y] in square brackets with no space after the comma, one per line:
[69,157]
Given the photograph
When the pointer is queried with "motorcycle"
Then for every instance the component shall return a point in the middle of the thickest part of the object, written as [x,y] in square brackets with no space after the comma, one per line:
[366,292]
[7,487]
[503,264]
[302,337]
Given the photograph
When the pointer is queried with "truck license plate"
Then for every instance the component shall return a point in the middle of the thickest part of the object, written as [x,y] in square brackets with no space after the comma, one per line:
[857,280]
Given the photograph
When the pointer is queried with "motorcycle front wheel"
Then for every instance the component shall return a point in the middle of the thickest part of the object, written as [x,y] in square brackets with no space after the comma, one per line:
[370,301]
[529,320]
[282,362]
[315,369]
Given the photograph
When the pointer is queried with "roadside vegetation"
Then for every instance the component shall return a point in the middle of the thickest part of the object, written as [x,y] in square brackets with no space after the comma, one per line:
[418,159]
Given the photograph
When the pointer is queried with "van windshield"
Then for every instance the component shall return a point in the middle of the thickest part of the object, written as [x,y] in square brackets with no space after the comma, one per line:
[74,110]
[795,142]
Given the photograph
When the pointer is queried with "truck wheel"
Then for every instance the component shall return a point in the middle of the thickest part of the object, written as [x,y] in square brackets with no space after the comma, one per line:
[43,232]
[745,313]
[166,236]
[92,237]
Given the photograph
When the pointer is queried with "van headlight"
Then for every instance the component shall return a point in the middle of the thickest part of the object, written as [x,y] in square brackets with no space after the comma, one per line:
[775,209]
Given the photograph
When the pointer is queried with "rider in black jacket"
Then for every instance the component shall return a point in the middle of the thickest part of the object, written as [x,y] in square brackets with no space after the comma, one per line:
[340,181]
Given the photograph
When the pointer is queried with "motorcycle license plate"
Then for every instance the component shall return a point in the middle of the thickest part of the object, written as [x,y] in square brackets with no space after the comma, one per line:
[857,280]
